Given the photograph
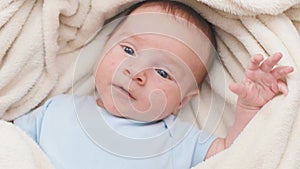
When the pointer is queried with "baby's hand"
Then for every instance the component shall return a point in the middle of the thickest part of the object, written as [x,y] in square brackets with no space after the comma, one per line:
[262,82]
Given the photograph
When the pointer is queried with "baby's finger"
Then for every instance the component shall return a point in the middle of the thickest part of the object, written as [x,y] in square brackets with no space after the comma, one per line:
[282,71]
[255,62]
[270,62]
[238,89]
[282,86]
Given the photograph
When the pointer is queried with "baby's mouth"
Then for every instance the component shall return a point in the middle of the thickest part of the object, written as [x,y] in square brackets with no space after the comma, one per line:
[123,90]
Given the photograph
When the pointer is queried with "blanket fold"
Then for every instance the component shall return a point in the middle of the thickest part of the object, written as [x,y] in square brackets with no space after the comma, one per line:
[17,150]
[42,43]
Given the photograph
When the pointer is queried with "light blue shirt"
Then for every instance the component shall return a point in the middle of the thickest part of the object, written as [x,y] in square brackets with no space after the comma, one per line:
[75,133]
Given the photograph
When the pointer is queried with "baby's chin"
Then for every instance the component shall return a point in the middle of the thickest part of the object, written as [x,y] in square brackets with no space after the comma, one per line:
[132,113]
[142,117]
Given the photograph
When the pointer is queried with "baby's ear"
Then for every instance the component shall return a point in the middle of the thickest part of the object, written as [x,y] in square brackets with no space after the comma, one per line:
[188,97]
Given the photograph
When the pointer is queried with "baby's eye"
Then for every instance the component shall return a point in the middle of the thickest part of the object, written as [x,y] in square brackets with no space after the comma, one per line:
[128,50]
[162,73]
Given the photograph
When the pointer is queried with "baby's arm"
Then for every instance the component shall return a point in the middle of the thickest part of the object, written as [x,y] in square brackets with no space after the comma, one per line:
[262,82]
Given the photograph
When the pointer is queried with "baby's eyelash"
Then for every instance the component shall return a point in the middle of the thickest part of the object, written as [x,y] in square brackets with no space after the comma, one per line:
[128,50]
[164,74]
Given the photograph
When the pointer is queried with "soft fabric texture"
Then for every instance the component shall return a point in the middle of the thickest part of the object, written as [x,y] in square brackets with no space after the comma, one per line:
[77,139]
[40,42]
[17,150]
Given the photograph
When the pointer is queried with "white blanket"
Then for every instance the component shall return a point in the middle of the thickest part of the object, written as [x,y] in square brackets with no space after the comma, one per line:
[17,150]
[41,43]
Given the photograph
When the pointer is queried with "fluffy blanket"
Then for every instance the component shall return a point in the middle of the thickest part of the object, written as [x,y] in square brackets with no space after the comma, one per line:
[41,42]
[17,150]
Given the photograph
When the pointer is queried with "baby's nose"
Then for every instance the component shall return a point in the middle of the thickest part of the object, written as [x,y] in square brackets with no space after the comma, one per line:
[137,76]
[140,78]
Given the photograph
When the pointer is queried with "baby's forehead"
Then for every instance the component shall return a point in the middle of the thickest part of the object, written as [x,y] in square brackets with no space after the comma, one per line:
[165,25]
[165,7]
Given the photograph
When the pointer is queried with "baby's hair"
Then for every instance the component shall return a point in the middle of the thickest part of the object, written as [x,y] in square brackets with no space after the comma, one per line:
[178,9]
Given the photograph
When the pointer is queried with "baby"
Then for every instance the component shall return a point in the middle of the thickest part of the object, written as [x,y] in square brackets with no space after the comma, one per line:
[152,65]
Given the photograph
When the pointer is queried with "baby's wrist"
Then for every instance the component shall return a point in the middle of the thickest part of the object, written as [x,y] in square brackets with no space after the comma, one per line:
[247,107]
[245,112]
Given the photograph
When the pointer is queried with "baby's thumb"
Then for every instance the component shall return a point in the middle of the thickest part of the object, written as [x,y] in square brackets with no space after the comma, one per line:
[238,89]
[283,87]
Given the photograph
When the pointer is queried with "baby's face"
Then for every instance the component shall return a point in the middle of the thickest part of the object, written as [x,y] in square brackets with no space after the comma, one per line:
[146,75]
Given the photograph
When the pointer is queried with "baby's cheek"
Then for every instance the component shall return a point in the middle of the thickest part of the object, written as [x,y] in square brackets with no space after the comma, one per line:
[170,92]
[174,97]
[166,98]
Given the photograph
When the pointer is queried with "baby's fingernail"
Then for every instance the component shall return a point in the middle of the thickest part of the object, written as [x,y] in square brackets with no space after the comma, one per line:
[285,91]
[278,53]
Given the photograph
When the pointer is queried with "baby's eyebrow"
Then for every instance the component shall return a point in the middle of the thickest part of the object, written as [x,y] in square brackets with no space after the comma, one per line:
[174,66]
[132,36]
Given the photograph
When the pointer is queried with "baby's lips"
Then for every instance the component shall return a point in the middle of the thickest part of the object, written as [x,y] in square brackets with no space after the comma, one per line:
[128,92]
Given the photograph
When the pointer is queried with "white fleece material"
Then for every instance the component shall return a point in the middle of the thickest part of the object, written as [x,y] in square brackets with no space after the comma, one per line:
[49,47]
